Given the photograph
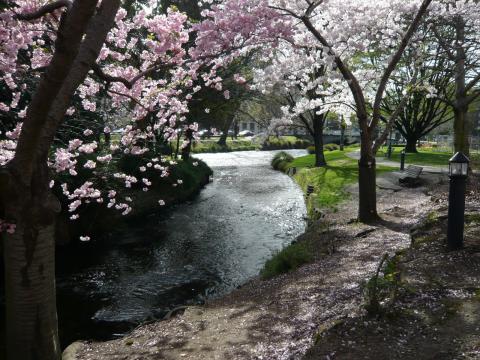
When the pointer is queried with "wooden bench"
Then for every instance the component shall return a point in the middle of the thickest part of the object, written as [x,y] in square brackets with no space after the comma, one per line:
[411,176]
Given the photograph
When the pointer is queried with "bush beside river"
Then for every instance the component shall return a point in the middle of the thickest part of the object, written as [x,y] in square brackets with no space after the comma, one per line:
[96,220]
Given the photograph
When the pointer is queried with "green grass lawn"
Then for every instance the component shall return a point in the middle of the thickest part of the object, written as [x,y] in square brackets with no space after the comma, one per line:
[475,159]
[429,156]
[423,157]
[329,181]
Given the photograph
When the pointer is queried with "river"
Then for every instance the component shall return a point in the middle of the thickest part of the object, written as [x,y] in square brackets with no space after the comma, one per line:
[201,249]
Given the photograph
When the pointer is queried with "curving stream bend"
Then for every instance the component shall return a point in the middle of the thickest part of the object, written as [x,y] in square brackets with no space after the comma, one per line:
[200,249]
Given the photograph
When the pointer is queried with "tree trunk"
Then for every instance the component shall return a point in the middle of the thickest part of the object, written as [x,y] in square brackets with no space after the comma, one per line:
[318,141]
[30,294]
[108,138]
[223,138]
[236,129]
[29,254]
[25,197]
[367,188]
[461,139]
[342,137]
[460,125]
[187,149]
[411,146]
[367,182]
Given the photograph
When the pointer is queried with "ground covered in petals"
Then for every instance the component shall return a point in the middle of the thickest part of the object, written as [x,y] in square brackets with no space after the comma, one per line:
[422,295]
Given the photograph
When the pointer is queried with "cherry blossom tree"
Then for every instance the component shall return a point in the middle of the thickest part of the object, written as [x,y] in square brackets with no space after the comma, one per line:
[344,28]
[297,71]
[77,49]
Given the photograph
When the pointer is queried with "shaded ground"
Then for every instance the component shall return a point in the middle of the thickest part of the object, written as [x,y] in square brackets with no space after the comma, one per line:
[430,308]
[282,318]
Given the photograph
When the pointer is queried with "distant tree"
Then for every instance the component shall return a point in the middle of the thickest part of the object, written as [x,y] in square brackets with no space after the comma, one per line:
[456,31]
[423,111]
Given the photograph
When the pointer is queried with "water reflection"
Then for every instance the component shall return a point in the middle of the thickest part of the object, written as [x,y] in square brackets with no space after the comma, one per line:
[202,249]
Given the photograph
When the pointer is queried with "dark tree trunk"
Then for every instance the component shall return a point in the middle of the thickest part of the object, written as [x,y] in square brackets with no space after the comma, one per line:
[25,197]
[318,141]
[29,254]
[236,129]
[367,188]
[342,137]
[367,183]
[460,125]
[411,146]
[187,149]
[223,138]
[108,138]
[461,131]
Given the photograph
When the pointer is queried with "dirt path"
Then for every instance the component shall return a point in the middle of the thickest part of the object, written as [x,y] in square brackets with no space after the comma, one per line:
[428,299]
[278,319]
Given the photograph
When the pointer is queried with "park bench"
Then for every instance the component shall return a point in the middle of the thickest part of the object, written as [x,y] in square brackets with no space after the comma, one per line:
[411,176]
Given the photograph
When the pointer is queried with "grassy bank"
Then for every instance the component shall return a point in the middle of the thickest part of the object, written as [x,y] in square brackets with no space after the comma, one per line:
[330,181]
[330,184]
[246,144]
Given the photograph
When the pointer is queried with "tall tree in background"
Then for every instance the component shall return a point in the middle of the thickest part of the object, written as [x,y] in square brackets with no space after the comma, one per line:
[423,111]
[457,32]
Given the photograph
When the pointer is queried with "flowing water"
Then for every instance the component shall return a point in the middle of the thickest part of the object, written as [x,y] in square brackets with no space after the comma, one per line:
[200,249]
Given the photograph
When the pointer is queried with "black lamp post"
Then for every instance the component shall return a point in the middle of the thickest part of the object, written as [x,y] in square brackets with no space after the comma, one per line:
[458,172]
[402,160]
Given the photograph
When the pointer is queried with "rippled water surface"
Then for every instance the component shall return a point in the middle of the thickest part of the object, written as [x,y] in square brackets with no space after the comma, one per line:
[200,249]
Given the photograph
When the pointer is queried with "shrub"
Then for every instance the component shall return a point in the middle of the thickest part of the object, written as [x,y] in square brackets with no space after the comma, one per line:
[311,149]
[331,147]
[284,142]
[281,161]
[288,259]
[301,144]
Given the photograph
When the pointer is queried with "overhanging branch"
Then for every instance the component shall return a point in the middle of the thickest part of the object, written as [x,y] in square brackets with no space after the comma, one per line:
[46,9]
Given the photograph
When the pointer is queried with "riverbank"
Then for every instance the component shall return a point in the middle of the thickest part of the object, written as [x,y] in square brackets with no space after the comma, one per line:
[329,182]
[284,316]
[249,143]
[185,181]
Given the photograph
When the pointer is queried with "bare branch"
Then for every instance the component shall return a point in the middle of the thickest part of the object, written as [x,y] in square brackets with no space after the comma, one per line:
[395,60]
[443,44]
[472,83]
[109,78]
[129,97]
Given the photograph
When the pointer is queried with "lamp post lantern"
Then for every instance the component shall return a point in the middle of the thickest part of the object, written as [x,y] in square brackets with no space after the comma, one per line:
[458,172]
